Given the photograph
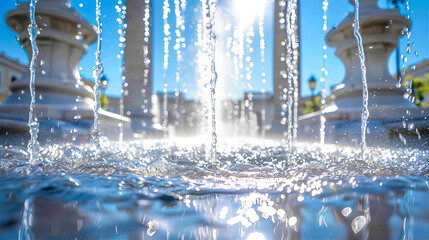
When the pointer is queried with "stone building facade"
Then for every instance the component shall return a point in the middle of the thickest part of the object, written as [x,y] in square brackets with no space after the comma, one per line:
[10,71]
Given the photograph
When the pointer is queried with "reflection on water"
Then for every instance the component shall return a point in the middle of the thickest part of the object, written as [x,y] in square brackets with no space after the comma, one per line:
[166,190]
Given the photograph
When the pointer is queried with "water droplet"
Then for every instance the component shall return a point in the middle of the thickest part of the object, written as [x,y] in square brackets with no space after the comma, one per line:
[418,134]
[292,221]
[402,138]
[398,84]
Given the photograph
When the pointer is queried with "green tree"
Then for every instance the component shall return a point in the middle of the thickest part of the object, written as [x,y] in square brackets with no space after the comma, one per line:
[104,101]
[312,105]
[420,88]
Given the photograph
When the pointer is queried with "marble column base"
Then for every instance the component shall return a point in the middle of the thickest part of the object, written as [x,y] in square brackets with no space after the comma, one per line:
[388,126]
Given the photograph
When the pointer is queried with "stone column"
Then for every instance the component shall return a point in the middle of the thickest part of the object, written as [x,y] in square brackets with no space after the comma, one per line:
[280,68]
[138,73]
[63,40]
[380,31]
[390,112]
[63,102]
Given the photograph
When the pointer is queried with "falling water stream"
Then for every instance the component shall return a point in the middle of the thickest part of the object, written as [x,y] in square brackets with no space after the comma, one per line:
[122,16]
[180,26]
[77,115]
[209,12]
[97,74]
[403,57]
[146,57]
[184,80]
[284,88]
[239,65]
[203,84]
[324,73]
[263,74]
[33,144]
[296,70]
[290,32]
[167,37]
[409,84]
[365,112]
[409,94]
[248,101]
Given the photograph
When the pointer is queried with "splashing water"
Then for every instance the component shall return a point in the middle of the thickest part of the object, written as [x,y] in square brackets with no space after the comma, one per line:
[172,177]
[325,4]
[97,74]
[152,179]
[209,12]
[365,112]
[33,124]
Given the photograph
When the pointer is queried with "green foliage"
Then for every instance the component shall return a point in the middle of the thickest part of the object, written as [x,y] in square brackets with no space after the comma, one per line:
[104,101]
[420,88]
[312,106]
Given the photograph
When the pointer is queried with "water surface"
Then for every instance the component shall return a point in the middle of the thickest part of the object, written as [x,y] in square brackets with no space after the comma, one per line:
[167,190]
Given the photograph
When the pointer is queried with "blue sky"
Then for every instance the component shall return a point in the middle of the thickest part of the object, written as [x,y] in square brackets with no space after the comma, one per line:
[312,40]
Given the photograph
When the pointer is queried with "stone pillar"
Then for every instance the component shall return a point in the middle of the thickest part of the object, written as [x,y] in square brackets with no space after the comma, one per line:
[380,31]
[390,112]
[138,73]
[280,68]
[63,102]
[63,40]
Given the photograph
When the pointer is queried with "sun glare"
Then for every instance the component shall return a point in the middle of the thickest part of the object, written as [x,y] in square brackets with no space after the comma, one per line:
[256,236]
[248,10]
